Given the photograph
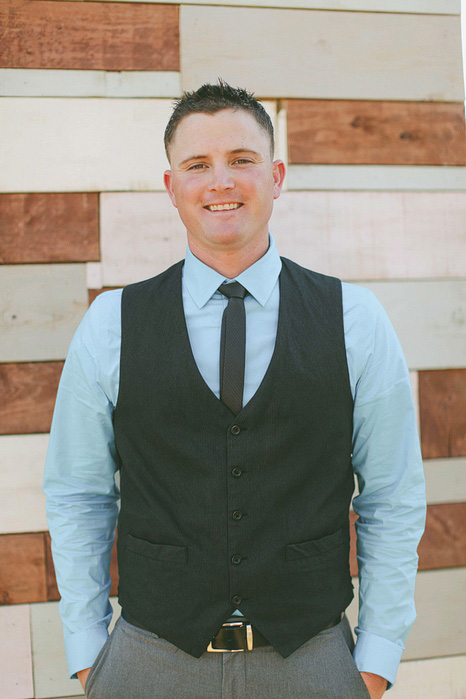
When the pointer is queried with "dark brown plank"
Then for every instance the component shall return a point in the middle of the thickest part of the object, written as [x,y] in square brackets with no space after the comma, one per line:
[22,572]
[370,132]
[442,408]
[49,227]
[28,396]
[93,293]
[89,35]
[52,588]
[444,542]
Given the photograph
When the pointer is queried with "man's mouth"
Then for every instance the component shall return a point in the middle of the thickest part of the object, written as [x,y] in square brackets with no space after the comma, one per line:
[223,207]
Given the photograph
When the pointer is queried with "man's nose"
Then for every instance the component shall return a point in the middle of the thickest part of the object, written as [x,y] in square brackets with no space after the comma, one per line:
[221,179]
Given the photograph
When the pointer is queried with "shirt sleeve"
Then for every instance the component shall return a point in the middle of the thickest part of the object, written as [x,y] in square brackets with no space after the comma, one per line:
[79,482]
[391,504]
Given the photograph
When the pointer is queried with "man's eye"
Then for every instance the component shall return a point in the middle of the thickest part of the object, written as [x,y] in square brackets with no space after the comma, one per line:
[243,160]
[196,166]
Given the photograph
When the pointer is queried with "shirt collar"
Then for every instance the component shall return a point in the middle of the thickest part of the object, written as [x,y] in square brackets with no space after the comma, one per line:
[259,279]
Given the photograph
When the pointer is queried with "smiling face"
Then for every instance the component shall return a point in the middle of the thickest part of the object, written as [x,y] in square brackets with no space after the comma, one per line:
[223,183]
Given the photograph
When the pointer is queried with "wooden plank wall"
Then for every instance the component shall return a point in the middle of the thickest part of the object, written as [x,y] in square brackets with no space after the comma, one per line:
[367,100]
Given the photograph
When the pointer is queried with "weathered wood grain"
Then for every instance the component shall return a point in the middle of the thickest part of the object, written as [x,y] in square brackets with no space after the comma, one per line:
[428,317]
[436,678]
[368,178]
[358,132]
[16,657]
[49,227]
[22,573]
[41,306]
[373,235]
[445,480]
[89,35]
[28,396]
[76,144]
[22,500]
[439,7]
[442,404]
[443,542]
[30,82]
[324,55]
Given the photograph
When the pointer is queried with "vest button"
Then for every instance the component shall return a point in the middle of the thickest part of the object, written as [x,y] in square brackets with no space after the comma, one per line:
[236,599]
[236,559]
[236,472]
[237,514]
[235,429]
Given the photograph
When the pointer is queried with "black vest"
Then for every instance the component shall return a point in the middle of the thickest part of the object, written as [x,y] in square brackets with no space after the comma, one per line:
[220,512]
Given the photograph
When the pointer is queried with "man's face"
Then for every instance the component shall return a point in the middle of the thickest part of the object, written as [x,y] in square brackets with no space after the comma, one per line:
[223,181]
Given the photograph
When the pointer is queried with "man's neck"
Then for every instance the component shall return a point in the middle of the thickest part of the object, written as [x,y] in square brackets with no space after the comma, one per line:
[230,262]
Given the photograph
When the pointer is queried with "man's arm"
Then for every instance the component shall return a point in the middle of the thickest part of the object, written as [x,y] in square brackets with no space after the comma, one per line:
[391,503]
[82,497]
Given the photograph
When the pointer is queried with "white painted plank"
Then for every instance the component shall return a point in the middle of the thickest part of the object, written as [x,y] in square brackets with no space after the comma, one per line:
[22,501]
[79,144]
[414,378]
[373,235]
[15,652]
[94,275]
[437,678]
[439,629]
[445,480]
[40,308]
[141,234]
[360,235]
[21,82]
[327,55]
[50,669]
[429,318]
[422,178]
[439,7]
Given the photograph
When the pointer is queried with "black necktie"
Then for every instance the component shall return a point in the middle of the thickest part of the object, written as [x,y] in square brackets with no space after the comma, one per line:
[233,347]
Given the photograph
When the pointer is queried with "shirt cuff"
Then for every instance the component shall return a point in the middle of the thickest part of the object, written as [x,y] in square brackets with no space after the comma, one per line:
[373,653]
[83,647]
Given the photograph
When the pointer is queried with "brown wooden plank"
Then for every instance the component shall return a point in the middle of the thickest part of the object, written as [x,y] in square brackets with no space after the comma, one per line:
[375,132]
[49,227]
[89,35]
[22,572]
[28,396]
[442,544]
[52,588]
[93,293]
[442,411]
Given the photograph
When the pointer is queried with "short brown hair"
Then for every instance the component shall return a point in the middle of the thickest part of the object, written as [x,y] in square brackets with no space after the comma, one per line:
[209,99]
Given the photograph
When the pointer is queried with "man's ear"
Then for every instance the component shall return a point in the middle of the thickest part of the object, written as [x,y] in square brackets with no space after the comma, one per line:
[278,177]
[168,182]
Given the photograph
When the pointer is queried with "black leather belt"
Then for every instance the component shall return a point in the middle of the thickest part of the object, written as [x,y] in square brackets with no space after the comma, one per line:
[235,635]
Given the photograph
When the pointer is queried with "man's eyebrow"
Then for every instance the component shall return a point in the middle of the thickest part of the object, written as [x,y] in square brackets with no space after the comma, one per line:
[232,152]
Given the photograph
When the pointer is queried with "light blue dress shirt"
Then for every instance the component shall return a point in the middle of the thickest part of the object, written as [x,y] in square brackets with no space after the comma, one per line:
[82,493]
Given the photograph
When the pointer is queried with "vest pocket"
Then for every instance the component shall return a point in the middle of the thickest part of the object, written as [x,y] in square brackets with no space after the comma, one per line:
[161,552]
[307,549]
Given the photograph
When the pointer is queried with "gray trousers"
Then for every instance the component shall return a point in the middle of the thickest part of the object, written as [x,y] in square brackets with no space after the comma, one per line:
[137,664]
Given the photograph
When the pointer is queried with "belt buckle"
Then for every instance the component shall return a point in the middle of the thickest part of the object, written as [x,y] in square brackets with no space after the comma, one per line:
[249,639]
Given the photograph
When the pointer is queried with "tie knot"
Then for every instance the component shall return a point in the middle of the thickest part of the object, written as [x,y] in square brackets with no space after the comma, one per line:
[233,290]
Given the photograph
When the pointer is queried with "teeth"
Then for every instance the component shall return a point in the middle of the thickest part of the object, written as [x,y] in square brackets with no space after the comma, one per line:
[223,207]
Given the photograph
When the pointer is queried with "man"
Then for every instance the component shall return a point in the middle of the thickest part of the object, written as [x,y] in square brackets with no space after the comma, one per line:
[236,418]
